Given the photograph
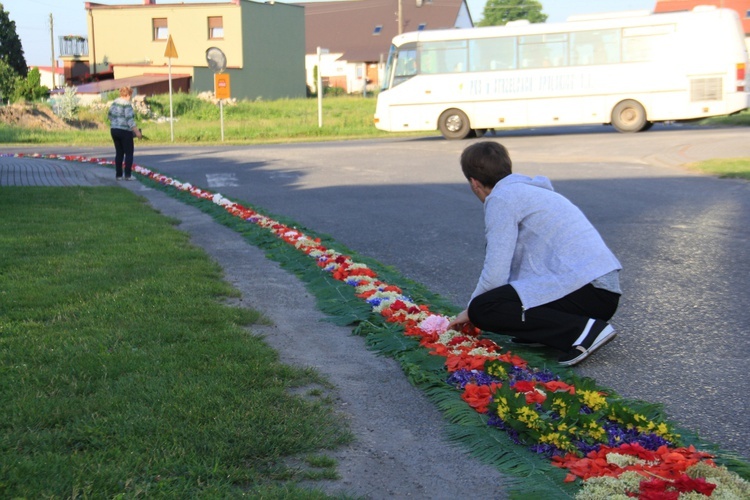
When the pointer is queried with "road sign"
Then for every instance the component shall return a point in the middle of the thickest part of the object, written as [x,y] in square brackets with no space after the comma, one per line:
[221,86]
[171,51]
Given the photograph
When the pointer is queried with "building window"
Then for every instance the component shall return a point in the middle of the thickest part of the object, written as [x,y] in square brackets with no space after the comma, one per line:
[747,14]
[421,27]
[215,28]
[377,29]
[161,32]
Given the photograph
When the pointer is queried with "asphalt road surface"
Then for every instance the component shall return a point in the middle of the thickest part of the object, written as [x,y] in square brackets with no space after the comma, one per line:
[682,238]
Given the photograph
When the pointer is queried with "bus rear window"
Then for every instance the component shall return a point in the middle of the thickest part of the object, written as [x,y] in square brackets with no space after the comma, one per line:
[642,43]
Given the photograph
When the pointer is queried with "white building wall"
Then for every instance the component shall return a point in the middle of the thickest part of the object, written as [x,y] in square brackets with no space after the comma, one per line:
[464,18]
[47,79]
[330,66]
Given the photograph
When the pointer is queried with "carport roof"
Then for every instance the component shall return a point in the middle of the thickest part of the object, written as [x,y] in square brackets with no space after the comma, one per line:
[132,81]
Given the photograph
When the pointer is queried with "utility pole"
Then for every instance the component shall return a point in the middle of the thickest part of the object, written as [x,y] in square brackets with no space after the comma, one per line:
[400,17]
[52,47]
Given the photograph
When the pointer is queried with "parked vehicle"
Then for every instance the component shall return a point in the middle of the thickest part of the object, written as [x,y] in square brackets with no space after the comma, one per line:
[626,69]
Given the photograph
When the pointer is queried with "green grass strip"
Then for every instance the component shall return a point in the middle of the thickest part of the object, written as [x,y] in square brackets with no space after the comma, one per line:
[736,168]
[121,370]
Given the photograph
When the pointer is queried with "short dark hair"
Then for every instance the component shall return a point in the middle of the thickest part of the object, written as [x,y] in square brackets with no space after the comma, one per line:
[487,162]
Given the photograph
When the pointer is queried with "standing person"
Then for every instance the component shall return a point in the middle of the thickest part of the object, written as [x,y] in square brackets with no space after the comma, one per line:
[548,277]
[123,128]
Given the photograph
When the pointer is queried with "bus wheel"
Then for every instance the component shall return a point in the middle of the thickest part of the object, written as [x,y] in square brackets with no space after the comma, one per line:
[629,116]
[454,124]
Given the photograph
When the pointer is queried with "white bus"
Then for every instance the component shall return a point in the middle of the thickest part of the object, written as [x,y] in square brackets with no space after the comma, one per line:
[627,69]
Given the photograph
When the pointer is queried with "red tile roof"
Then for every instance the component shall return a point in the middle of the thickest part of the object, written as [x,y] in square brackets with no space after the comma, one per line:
[349,26]
[741,6]
[58,70]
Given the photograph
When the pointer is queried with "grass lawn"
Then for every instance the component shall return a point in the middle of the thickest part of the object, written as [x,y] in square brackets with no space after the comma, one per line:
[123,372]
[738,168]
[247,122]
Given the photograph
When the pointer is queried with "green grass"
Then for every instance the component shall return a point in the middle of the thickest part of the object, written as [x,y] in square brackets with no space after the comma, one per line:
[247,122]
[741,119]
[123,371]
[738,168]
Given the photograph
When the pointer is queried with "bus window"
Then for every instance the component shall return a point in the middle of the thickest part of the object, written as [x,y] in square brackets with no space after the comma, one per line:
[428,63]
[543,51]
[641,44]
[405,63]
[447,56]
[492,54]
[595,47]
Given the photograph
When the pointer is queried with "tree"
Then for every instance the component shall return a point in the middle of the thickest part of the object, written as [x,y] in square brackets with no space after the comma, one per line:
[501,12]
[11,50]
[30,88]
[8,78]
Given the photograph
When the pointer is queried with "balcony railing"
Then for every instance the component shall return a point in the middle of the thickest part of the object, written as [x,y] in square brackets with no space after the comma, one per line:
[74,45]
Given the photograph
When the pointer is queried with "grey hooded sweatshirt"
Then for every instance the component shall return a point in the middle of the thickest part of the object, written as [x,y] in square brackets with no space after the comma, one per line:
[541,244]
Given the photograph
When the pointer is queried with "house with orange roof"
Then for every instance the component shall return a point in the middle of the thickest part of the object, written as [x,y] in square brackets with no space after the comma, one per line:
[742,7]
[357,36]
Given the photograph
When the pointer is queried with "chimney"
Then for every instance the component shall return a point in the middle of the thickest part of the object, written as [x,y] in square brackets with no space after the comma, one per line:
[149,2]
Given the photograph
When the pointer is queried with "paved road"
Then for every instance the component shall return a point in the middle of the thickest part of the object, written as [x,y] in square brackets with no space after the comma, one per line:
[682,238]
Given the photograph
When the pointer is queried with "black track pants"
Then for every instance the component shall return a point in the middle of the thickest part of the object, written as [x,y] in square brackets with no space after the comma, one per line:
[557,324]
[123,140]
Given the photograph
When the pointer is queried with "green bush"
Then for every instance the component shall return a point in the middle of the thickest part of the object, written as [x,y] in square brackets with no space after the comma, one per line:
[334,91]
[65,105]
[30,88]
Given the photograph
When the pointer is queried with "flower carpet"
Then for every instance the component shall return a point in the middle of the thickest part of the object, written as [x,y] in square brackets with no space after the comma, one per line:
[508,409]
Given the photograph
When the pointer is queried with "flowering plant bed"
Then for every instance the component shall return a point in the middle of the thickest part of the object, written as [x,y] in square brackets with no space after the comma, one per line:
[588,440]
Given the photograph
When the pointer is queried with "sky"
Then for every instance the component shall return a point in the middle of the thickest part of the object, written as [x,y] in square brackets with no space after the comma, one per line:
[32,18]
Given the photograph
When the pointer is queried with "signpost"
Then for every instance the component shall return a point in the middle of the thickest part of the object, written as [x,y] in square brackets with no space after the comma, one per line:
[217,61]
[320,88]
[169,53]
[223,91]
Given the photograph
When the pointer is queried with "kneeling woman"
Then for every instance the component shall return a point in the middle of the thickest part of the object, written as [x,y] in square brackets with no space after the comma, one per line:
[548,277]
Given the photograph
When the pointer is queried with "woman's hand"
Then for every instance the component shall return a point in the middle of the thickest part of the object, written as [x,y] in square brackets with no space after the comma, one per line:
[460,320]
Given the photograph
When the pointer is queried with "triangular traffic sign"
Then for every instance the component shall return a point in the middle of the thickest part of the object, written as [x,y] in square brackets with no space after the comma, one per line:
[171,50]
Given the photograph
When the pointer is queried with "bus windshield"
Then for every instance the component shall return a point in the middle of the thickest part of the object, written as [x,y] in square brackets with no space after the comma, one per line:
[402,65]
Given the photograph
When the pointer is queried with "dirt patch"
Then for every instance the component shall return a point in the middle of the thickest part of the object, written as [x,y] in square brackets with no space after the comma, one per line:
[39,117]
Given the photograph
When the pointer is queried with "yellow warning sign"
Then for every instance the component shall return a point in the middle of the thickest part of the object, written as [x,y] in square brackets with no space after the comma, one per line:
[171,50]
[221,86]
